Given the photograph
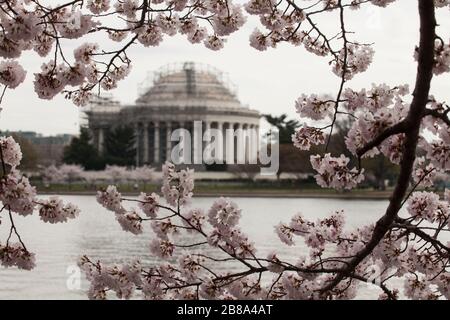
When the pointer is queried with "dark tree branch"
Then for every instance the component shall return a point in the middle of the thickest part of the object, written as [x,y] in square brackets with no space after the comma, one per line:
[412,121]
[388,132]
[438,245]
[439,115]
[344,72]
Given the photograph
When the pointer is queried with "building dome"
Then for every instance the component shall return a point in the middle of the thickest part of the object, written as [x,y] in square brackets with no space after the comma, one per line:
[189,84]
[178,96]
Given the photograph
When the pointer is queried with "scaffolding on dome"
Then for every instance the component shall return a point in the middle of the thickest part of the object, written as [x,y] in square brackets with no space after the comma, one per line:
[191,68]
[102,103]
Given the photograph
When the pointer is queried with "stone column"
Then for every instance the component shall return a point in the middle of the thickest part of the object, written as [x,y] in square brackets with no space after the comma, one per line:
[168,142]
[248,141]
[207,133]
[145,142]
[156,142]
[206,141]
[221,144]
[101,140]
[240,146]
[136,144]
[229,144]
[257,137]
[197,142]
[182,137]
[253,147]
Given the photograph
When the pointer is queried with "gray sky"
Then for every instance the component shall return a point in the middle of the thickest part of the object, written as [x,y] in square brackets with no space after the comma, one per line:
[268,81]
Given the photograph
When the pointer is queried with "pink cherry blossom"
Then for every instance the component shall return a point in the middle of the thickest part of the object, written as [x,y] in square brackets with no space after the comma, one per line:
[14,255]
[43,44]
[11,153]
[150,35]
[260,41]
[424,173]
[48,83]
[423,205]
[161,248]
[17,193]
[178,185]
[129,221]
[98,6]
[358,58]
[84,52]
[110,198]
[306,136]
[25,26]
[54,210]
[11,74]
[214,43]
[224,214]
[334,173]
[194,218]
[148,203]
[314,107]
[10,49]
[230,22]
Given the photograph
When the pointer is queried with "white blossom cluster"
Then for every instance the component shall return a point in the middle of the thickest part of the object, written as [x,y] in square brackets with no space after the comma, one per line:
[353,59]
[15,255]
[177,185]
[11,73]
[307,136]
[333,172]
[428,206]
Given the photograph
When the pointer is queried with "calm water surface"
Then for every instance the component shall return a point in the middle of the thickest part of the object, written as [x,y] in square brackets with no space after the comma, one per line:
[97,234]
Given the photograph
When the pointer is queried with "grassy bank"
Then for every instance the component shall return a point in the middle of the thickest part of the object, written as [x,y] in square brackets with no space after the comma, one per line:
[225,189]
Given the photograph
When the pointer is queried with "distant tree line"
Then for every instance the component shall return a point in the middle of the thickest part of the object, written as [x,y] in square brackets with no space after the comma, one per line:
[119,149]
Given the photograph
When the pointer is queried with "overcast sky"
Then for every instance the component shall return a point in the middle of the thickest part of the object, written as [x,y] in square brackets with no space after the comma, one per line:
[268,81]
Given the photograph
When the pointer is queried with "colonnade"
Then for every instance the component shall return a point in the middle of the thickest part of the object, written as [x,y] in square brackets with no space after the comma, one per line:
[238,142]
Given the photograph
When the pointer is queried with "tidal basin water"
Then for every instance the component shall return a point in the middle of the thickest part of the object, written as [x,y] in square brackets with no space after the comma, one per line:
[97,234]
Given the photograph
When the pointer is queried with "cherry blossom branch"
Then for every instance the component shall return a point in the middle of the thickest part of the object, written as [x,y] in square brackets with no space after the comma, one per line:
[417,109]
[416,185]
[3,93]
[344,72]
[314,26]
[438,245]
[191,245]
[444,116]
[13,228]
[398,128]
[7,207]
[195,228]
[3,164]
[331,7]
[58,8]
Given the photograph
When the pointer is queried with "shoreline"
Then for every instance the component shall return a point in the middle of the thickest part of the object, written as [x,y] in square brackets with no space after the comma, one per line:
[372,195]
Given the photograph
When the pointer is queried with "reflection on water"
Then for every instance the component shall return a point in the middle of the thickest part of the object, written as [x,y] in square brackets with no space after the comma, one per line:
[97,234]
